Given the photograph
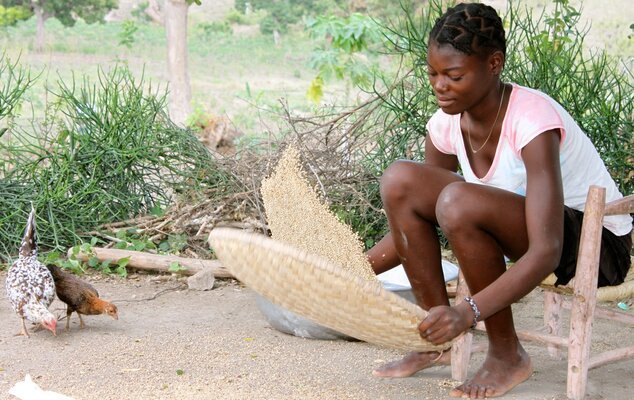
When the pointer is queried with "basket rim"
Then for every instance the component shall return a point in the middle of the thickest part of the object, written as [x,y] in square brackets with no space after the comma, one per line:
[396,306]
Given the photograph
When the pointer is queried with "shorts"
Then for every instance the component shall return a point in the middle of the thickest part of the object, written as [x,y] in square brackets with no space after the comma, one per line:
[614,261]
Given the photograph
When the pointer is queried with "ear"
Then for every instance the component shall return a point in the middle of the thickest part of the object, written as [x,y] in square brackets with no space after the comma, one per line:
[496,62]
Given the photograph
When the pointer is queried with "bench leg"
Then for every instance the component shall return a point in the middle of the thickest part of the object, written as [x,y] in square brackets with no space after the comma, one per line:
[585,294]
[552,319]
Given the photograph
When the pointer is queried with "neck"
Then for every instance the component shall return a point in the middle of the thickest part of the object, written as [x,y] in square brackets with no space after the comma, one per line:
[36,313]
[484,113]
[97,302]
[490,130]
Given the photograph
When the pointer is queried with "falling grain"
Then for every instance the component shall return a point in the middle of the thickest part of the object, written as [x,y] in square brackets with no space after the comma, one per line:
[297,216]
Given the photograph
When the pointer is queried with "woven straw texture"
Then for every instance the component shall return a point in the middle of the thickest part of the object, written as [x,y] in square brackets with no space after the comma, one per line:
[313,287]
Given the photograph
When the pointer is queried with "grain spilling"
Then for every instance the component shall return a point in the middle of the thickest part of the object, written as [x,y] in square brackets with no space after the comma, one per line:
[298,216]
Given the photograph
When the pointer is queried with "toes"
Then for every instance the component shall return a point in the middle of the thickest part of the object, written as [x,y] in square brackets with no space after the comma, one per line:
[458,392]
[469,391]
[490,392]
[481,392]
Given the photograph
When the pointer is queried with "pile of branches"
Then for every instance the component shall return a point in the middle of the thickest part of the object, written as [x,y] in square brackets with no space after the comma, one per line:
[344,153]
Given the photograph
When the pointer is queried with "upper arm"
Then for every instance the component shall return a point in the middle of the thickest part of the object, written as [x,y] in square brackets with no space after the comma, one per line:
[435,157]
[544,194]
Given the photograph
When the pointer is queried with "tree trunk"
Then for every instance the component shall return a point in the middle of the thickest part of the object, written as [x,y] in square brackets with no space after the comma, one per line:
[39,31]
[154,11]
[176,31]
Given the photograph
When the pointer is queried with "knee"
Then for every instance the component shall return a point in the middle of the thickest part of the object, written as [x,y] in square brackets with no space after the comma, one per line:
[397,182]
[452,207]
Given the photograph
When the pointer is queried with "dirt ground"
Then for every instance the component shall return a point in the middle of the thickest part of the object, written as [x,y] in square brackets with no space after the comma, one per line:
[174,343]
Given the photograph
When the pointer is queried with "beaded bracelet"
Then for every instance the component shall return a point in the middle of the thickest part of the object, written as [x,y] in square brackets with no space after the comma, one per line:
[476,311]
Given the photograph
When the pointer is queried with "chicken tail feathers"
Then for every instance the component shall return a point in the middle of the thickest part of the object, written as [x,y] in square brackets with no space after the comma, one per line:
[29,240]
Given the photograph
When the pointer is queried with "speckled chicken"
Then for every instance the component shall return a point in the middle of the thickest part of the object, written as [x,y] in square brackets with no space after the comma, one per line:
[30,286]
[80,296]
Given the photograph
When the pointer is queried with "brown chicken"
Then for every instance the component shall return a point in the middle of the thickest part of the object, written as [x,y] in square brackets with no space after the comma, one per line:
[79,296]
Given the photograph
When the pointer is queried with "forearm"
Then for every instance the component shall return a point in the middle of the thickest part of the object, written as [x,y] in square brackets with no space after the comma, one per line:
[544,225]
[518,281]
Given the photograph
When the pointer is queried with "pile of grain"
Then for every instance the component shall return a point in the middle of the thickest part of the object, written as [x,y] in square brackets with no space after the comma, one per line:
[296,215]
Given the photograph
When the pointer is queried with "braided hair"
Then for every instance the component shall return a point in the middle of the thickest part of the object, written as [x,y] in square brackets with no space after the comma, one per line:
[471,28]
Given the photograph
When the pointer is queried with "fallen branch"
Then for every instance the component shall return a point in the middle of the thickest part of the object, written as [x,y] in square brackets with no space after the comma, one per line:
[156,262]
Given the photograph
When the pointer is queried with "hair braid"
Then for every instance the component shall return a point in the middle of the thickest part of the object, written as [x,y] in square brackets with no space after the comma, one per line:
[471,28]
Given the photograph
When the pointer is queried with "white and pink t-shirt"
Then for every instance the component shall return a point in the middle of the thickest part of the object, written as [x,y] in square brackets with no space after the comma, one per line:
[530,113]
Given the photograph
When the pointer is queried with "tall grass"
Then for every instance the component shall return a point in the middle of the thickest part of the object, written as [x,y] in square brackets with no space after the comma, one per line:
[14,82]
[106,152]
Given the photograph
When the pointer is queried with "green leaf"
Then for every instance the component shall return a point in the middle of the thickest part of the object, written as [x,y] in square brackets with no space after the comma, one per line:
[138,245]
[176,267]
[315,90]
[164,246]
[247,88]
[52,257]
[121,271]
[93,261]
[74,251]
[122,262]
[157,211]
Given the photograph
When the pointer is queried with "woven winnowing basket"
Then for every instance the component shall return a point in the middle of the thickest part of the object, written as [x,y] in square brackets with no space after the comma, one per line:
[321,291]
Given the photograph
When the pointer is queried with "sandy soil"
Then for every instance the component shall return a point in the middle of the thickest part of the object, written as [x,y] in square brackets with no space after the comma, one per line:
[225,349]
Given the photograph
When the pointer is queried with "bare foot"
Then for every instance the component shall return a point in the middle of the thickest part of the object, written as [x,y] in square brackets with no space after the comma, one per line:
[412,363]
[496,377]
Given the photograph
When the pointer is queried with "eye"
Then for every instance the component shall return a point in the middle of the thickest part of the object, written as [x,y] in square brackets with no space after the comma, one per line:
[455,78]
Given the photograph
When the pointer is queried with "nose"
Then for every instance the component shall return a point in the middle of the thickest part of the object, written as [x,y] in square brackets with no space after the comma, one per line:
[439,84]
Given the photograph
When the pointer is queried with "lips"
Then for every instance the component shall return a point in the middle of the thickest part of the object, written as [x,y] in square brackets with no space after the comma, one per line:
[444,102]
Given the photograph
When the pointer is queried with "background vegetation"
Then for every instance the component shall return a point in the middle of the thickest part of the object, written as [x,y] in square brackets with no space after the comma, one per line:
[85,135]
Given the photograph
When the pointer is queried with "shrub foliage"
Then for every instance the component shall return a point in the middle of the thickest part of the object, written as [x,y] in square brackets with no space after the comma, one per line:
[107,152]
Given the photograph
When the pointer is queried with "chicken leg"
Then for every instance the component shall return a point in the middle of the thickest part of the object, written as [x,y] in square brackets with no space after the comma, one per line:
[23,332]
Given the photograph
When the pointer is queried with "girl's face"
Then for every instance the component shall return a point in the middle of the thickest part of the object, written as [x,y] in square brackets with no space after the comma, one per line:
[460,81]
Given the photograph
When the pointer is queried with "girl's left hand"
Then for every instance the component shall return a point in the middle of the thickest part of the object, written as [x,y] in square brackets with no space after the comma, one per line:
[444,323]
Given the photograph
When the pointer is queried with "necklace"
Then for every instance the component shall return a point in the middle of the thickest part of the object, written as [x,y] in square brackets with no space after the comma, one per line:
[492,126]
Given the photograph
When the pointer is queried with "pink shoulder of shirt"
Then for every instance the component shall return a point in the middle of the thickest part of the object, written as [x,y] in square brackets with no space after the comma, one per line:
[529,113]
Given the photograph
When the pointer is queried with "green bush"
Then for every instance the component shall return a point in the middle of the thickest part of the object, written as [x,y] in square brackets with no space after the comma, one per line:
[12,15]
[208,29]
[341,43]
[127,34]
[282,13]
[235,17]
[14,82]
[107,152]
